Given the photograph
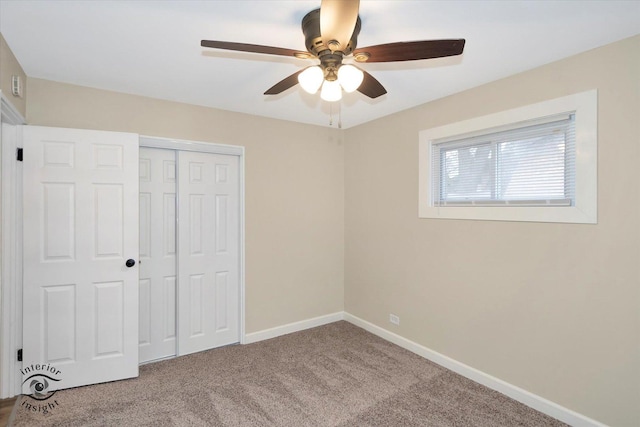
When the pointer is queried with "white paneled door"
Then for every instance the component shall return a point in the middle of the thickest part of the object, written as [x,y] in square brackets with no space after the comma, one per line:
[157,253]
[208,251]
[80,288]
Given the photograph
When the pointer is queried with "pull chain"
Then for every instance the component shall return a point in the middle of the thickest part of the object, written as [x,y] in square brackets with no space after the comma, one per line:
[339,114]
[330,114]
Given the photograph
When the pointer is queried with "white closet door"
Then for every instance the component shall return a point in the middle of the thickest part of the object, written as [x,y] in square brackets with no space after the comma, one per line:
[80,299]
[208,264]
[157,253]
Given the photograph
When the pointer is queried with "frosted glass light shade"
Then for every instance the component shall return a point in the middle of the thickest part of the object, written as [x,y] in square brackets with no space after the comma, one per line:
[350,77]
[311,79]
[331,91]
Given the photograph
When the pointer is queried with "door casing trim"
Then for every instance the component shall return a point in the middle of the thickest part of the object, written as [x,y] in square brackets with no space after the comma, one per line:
[11,243]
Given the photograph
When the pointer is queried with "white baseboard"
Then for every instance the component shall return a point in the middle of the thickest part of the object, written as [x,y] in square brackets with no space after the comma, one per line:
[292,327]
[533,401]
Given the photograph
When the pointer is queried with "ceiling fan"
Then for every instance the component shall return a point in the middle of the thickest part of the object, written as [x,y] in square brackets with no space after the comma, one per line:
[331,34]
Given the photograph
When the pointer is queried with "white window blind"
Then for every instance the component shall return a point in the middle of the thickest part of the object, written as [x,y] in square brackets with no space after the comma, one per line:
[526,164]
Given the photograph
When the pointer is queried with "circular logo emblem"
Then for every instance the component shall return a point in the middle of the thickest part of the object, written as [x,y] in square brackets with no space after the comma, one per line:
[39,386]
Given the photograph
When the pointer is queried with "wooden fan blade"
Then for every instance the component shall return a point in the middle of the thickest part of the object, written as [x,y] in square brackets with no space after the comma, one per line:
[284,84]
[255,48]
[371,87]
[410,51]
[337,21]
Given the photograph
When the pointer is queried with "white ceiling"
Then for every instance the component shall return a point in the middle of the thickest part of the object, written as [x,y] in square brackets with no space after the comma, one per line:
[152,48]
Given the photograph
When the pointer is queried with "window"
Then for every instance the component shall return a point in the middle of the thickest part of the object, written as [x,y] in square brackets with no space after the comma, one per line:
[535,163]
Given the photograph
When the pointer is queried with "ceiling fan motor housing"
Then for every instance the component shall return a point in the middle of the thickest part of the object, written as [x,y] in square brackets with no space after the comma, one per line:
[330,63]
[313,40]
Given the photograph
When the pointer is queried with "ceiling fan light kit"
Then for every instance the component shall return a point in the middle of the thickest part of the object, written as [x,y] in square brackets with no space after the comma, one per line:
[348,78]
[311,79]
[331,34]
[331,91]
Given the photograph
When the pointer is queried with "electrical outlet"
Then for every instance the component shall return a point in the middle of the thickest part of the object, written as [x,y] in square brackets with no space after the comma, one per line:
[394,319]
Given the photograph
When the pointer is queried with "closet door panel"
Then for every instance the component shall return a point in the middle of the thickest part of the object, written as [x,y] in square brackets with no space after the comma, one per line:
[157,253]
[208,290]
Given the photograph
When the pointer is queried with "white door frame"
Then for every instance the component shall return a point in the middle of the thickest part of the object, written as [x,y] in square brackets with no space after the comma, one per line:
[208,147]
[11,239]
[11,266]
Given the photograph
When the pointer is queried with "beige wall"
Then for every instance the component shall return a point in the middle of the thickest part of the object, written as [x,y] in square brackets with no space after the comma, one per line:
[294,190]
[9,67]
[551,308]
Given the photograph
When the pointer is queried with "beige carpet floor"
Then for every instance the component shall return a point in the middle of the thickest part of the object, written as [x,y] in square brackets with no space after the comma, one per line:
[334,375]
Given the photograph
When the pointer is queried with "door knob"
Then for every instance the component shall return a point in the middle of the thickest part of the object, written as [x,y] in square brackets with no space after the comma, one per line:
[130,263]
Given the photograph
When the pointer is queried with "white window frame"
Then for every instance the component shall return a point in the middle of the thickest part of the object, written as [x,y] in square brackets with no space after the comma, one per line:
[584,211]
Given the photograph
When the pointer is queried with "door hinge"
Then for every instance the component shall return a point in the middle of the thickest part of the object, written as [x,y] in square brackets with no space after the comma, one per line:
[19,155]
[20,355]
